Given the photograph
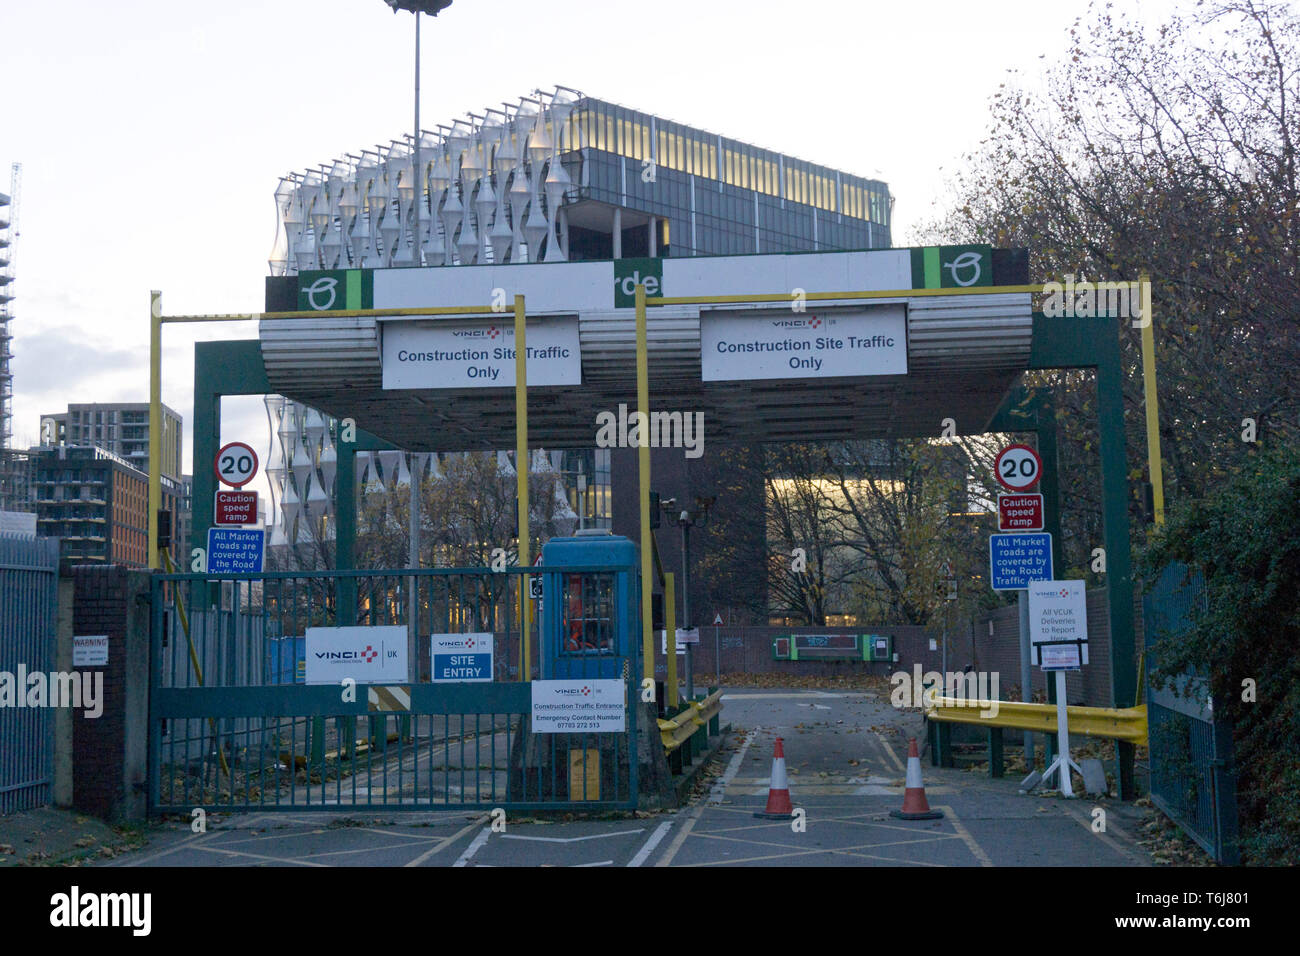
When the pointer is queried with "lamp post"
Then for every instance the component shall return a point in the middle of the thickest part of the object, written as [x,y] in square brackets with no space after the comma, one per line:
[432,8]
[686,518]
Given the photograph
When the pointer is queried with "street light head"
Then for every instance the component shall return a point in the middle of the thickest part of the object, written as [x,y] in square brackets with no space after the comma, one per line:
[430,7]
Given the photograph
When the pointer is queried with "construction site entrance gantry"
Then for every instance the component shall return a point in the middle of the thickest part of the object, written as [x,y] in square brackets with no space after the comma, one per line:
[819,346]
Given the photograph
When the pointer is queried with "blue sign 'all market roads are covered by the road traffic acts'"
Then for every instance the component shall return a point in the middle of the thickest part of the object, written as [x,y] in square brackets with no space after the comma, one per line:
[235,550]
[1017,559]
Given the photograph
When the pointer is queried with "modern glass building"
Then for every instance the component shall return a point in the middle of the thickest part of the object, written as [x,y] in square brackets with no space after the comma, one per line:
[704,193]
[562,177]
[555,177]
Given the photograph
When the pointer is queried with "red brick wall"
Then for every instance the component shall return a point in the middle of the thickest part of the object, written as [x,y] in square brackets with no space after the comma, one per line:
[108,765]
[748,650]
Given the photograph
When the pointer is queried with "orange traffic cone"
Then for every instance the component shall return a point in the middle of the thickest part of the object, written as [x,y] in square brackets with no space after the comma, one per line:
[778,794]
[915,806]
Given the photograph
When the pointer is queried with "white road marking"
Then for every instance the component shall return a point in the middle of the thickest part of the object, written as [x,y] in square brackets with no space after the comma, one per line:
[1085,821]
[964,834]
[474,847]
[644,853]
[257,856]
[716,794]
[601,863]
[447,842]
[889,752]
[577,839]
[818,706]
[821,694]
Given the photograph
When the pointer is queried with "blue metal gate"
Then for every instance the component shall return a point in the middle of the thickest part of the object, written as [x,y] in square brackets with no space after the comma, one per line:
[1192,779]
[234,724]
[29,576]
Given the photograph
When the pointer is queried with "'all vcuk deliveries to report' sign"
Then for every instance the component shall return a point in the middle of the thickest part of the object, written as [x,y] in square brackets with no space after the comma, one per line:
[235,550]
[455,354]
[1017,559]
[1058,624]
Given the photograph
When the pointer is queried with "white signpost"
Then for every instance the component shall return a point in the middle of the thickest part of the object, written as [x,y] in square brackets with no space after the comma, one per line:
[1058,630]
[685,635]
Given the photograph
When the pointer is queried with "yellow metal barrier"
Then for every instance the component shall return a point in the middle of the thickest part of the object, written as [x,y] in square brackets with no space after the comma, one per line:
[674,731]
[1123,723]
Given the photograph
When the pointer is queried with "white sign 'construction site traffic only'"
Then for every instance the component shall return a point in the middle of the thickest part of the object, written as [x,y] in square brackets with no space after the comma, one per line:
[1058,624]
[578,706]
[479,354]
[870,341]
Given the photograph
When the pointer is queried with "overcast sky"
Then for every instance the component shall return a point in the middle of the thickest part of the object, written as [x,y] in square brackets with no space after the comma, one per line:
[153,133]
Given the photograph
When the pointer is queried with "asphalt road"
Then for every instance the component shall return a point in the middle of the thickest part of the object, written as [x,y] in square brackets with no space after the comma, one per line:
[846,758]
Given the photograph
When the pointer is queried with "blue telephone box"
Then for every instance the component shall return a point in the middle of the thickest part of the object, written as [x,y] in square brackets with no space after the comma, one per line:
[589,619]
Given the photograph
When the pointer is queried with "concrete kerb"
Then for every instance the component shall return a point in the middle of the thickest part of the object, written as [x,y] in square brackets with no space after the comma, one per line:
[683,782]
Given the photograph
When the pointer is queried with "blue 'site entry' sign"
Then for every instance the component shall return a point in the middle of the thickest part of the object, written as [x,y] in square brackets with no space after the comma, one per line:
[461,657]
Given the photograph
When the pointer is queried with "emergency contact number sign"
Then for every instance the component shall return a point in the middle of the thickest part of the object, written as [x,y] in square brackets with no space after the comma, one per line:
[579,706]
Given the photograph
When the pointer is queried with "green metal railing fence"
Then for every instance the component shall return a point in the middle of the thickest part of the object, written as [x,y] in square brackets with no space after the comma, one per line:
[234,725]
[1192,779]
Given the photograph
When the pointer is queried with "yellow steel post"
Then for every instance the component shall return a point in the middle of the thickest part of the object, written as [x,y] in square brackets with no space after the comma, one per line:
[670,643]
[155,423]
[1152,408]
[643,459]
[521,483]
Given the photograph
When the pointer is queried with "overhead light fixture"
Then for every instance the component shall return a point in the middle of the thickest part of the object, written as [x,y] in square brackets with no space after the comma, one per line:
[428,7]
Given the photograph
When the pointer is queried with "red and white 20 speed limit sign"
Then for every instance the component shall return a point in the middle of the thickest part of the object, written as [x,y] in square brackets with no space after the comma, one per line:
[236,464]
[1018,467]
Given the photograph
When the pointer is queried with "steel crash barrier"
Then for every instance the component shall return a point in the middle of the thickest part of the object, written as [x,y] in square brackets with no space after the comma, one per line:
[687,733]
[1128,724]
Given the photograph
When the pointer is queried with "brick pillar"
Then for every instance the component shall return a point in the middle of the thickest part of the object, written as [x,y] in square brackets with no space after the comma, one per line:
[110,752]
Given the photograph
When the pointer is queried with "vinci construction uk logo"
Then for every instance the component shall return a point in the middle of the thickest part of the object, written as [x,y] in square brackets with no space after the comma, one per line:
[491,332]
[334,290]
[811,322]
